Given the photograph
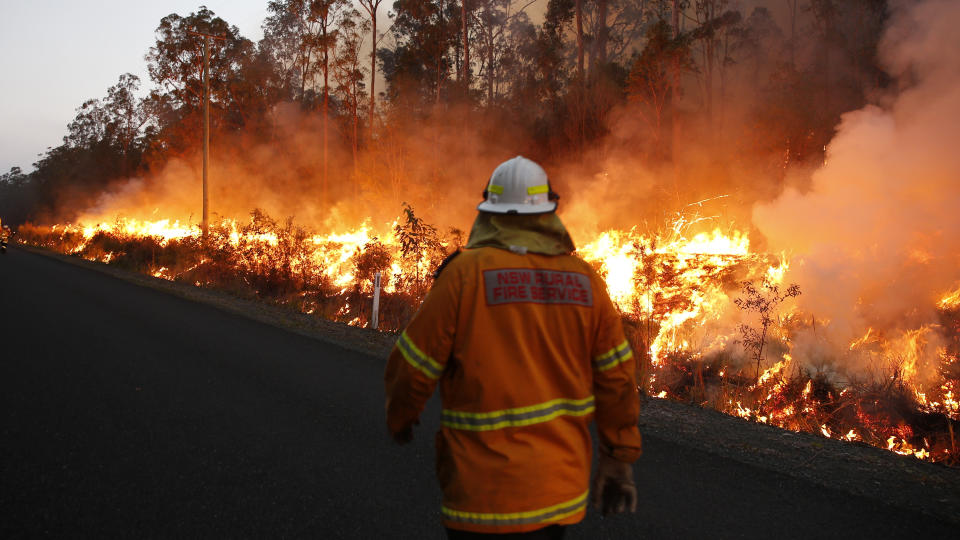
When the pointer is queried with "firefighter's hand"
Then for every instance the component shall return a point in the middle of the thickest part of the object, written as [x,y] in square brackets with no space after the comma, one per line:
[614,491]
[403,436]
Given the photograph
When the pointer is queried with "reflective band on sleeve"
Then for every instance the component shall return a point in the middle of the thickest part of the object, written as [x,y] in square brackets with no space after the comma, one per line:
[615,356]
[416,358]
[536,190]
[523,416]
[543,515]
[495,189]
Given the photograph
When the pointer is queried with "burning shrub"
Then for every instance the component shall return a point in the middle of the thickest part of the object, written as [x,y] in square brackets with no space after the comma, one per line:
[763,301]
[678,296]
[63,240]
[372,258]
[421,246]
[273,258]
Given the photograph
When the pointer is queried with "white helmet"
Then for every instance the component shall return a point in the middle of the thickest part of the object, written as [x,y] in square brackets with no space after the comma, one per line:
[518,186]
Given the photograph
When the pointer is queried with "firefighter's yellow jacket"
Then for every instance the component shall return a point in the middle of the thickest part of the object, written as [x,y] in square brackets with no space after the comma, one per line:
[527,350]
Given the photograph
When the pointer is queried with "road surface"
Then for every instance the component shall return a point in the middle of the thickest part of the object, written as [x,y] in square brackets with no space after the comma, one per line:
[127,412]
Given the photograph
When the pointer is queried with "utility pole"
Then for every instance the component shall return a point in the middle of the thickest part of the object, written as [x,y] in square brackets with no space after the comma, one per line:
[206,120]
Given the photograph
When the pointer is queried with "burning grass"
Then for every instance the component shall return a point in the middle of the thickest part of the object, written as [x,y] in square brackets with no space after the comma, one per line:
[715,322]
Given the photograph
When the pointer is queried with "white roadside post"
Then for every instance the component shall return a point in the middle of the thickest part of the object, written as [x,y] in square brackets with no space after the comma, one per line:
[376,301]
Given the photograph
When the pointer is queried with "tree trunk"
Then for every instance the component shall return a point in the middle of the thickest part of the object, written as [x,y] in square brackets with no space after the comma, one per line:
[579,12]
[709,54]
[673,92]
[489,38]
[326,95]
[373,74]
[439,46]
[602,31]
[581,83]
[465,75]
[371,6]
[355,105]
[792,5]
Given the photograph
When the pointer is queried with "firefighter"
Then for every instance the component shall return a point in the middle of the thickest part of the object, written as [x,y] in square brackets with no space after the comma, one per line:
[5,235]
[527,349]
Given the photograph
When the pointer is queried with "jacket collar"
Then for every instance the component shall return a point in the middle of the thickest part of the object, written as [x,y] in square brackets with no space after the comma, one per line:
[521,233]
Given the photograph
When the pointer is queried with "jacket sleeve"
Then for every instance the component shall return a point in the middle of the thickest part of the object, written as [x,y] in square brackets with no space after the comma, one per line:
[615,384]
[420,355]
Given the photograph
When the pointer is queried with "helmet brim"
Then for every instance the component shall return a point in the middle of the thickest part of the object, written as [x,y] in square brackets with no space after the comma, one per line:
[492,208]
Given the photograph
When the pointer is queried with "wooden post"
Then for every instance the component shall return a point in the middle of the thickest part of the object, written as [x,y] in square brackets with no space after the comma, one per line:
[206,119]
[376,301]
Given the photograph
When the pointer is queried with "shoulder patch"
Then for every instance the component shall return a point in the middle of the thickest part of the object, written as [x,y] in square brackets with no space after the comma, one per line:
[536,286]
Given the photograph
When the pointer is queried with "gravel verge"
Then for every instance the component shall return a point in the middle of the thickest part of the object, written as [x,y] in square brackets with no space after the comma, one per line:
[854,468]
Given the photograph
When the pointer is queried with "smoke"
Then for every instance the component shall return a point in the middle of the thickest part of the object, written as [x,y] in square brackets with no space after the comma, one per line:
[438,164]
[877,235]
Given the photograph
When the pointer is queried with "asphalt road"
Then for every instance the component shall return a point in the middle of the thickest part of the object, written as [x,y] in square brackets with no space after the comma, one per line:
[127,412]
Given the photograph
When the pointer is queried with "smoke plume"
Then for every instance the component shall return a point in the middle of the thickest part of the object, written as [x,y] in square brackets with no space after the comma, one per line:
[877,235]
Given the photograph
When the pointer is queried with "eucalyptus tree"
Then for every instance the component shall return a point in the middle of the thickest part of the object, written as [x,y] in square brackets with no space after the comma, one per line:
[301,36]
[175,64]
[652,83]
[498,25]
[290,37]
[113,124]
[371,7]
[417,68]
[349,74]
[328,16]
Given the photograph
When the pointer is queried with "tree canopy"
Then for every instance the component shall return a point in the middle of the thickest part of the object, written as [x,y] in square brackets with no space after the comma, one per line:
[755,87]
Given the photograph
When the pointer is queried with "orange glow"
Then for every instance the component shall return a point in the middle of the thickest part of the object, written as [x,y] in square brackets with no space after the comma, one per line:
[676,288]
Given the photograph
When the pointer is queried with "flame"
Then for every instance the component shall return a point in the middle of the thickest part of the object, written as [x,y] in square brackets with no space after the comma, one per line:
[775,274]
[861,341]
[671,279]
[950,301]
[675,287]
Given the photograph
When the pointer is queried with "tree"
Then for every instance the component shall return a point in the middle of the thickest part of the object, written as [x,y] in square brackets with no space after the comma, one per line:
[418,67]
[89,127]
[491,22]
[104,143]
[652,83]
[16,196]
[420,246]
[763,301]
[126,117]
[175,64]
[292,35]
[259,86]
[117,119]
[578,10]
[371,7]
[328,14]
[717,27]
[349,75]
[792,10]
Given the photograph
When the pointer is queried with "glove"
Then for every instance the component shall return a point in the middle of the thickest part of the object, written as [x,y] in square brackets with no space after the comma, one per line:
[614,491]
[405,434]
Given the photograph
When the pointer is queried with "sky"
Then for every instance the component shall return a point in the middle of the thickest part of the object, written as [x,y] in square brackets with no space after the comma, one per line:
[56,54]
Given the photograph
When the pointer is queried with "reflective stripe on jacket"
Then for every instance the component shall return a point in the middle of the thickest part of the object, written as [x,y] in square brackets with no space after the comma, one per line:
[527,350]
